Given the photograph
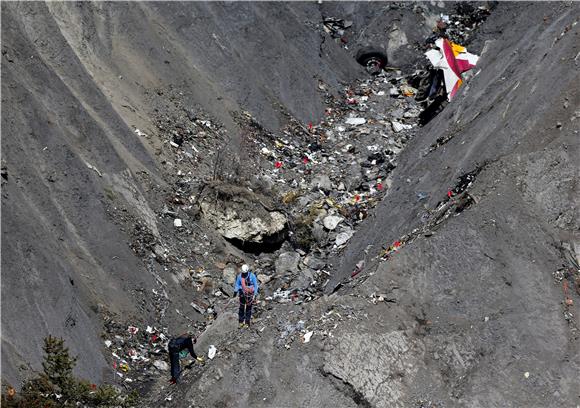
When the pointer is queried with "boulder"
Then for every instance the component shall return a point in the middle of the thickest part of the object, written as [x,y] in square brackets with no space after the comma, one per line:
[239,214]
[287,262]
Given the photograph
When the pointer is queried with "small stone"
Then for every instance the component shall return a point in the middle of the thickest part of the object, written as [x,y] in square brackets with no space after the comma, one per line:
[343,237]
[319,233]
[331,222]
[161,365]
[264,279]
[322,182]
[229,274]
[398,126]
[314,262]
[159,252]
[355,121]
[177,223]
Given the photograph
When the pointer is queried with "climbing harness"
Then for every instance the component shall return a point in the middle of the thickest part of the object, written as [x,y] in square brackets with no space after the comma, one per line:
[247,292]
[247,289]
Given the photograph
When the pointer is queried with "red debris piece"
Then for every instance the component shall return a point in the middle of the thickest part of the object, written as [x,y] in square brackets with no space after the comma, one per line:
[357,198]
[93,386]
[278,164]
[379,186]
[396,244]
[449,193]
[305,160]
[310,125]
[351,101]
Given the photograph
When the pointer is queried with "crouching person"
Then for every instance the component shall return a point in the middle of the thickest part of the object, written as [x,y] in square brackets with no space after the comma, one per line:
[177,345]
[247,288]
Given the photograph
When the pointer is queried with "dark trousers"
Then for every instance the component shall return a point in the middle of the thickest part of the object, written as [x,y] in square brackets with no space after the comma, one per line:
[174,359]
[245,310]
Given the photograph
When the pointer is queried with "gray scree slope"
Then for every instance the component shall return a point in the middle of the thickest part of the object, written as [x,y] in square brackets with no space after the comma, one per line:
[476,302]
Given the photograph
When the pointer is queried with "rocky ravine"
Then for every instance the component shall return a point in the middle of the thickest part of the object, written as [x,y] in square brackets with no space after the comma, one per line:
[410,266]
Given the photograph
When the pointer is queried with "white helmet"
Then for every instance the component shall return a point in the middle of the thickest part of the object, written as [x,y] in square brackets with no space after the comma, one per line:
[245,268]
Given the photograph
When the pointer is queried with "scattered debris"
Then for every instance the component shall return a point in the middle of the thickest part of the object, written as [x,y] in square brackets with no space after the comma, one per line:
[336,27]
[211,352]
[90,166]
[139,133]
[453,59]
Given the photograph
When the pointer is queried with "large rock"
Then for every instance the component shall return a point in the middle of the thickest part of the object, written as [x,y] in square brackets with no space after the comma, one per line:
[364,359]
[242,215]
[287,262]
[233,225]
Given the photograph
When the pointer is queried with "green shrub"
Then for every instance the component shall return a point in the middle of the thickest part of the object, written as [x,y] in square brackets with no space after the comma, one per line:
[57,387]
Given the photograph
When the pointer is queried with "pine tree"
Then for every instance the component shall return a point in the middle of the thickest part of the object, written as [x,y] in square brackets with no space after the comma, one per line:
[58,365]
[57,387]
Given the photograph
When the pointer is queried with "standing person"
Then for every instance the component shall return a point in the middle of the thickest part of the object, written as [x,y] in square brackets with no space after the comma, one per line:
[176,345]
[247,288]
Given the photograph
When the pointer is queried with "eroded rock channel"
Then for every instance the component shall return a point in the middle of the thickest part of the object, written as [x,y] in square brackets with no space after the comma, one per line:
[413,250]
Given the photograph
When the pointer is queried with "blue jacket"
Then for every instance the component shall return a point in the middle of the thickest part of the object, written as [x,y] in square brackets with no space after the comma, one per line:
[252,280]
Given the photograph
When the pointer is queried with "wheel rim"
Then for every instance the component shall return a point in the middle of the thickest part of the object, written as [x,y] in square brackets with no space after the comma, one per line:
[373,66]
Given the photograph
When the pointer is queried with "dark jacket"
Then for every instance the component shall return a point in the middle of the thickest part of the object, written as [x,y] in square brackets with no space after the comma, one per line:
[181,343]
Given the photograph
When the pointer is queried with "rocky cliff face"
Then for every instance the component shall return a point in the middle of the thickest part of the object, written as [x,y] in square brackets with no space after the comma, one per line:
[404,265]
